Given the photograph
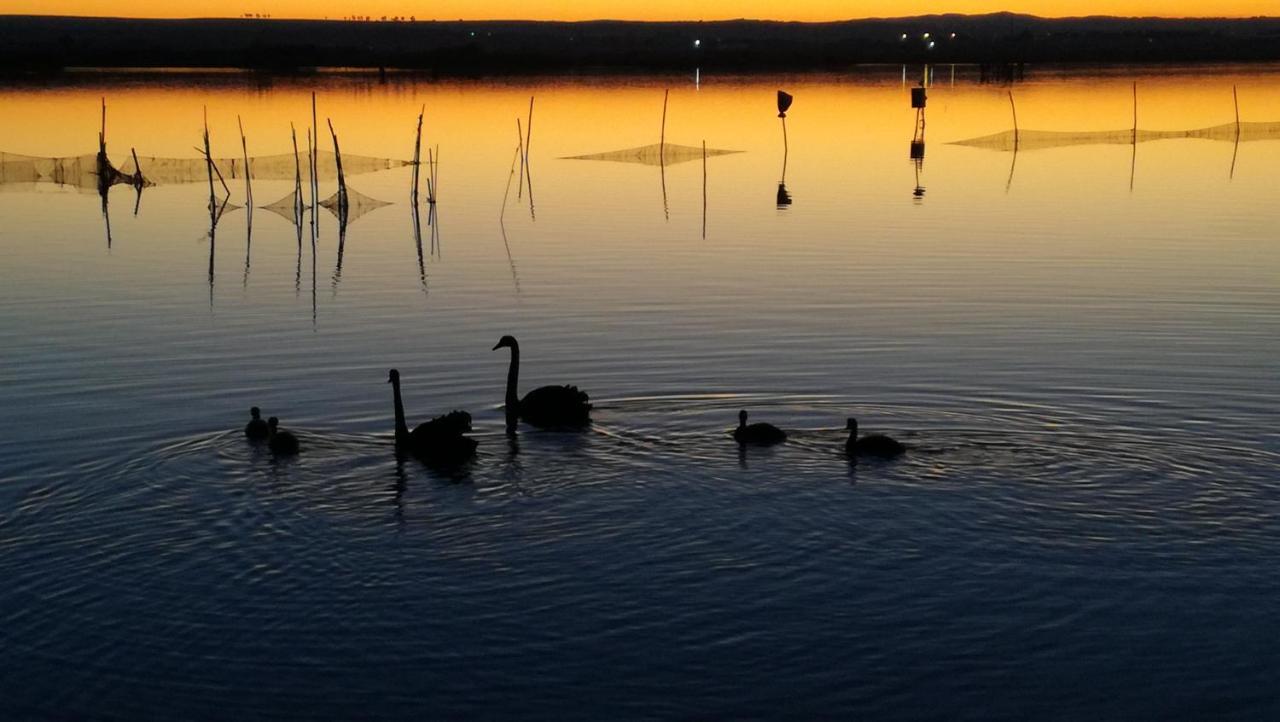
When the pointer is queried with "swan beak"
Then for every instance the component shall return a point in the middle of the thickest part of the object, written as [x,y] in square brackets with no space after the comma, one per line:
[495,348]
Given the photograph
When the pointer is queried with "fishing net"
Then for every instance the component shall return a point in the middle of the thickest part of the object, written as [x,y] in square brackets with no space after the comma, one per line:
[287,208]
[1044,139]
[656,154]
[82,171]
[358,204]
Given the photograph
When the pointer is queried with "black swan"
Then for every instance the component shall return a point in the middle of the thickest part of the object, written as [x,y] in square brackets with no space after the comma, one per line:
[280,442]
[440,439]
[872,444]
[256,429]
[547,407]
[757,434]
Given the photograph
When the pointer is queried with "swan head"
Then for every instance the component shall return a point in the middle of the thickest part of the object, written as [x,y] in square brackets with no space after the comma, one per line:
[393,376]
[506,342]
[742,417]
[852,425]
[273,422]
[255,412]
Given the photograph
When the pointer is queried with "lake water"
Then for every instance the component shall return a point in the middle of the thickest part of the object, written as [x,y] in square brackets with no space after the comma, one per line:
[1079,344]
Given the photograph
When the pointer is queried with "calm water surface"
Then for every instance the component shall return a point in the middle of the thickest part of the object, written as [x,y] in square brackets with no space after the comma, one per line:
[1079,344]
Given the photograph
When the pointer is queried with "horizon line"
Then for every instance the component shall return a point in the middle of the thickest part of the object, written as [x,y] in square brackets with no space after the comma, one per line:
[880,18]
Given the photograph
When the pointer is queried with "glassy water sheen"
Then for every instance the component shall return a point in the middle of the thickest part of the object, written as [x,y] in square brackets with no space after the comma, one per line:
[1079,344]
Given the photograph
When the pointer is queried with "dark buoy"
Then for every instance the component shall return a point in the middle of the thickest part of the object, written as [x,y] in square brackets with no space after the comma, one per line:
[784,103]
[919,98]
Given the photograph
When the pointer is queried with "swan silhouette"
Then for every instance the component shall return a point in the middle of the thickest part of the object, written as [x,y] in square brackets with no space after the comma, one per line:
[281,443]
[441,439]
[757,434]
[877,445]
[256,429]
[547,407]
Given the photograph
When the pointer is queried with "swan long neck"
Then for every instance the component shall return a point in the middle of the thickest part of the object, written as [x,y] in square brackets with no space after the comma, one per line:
[402,428]
[513,381]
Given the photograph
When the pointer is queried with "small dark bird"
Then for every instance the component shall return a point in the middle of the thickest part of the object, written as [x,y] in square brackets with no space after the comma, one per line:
[757,434]
[877,445]
[442,439]
[281,443]
[547,407]
[256,429]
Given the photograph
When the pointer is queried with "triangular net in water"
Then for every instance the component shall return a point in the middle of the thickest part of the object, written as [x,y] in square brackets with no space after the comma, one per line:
[1044,139]
[656,154]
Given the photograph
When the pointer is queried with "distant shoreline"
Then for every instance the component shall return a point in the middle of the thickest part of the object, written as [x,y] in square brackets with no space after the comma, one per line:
[52,44]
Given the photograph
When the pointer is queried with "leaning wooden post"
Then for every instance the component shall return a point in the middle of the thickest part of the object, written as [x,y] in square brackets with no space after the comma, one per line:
[1017,135]
[520,150]
[1235,95]
[417,156]
[248,181]
[208,154]
[662,135]
[431,177]
[137,170]
[342,179]
[435,177]
[528,129]
[208,158]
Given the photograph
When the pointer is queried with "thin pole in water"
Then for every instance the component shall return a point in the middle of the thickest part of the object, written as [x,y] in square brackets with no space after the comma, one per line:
[1017,135]
[417,157]
[704,189]
[528,129]
[1235,152]
[1133,163]
[520,151]
[1135,113]
[1235,94]
[297,183]
[342,180]
[248,181]
[662,136]
[314,142]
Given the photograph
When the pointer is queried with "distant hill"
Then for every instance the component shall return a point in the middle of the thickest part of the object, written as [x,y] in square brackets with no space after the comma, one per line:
[34,42]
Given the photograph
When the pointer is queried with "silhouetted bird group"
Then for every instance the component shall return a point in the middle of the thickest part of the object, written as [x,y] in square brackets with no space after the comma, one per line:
[443,440]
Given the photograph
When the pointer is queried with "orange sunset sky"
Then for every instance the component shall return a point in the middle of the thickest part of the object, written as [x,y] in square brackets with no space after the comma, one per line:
[811,10]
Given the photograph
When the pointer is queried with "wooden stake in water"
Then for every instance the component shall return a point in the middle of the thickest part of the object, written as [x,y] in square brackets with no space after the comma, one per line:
[137,180]
[137,169]
[208,159]
[704,189]
[1135,113]
[297,183]
[314,142]
[520,152]
[1133,163]
[1017,135]
[1235,152]
[431,182]
[342,179]
[311,168]
[528,129]
[1235,95]
[417,156]
[662,137]
[248,181]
